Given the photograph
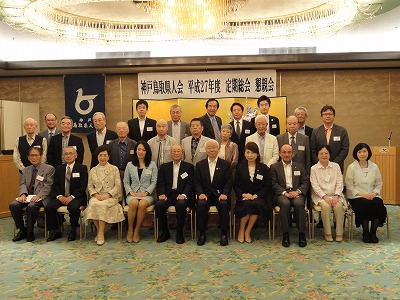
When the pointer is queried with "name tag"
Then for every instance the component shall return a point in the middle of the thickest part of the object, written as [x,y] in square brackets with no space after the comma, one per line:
[148,172]
[274,126]
[108,141]
[296,173]
[336,138]
[269,146]
[40,178]
[38,146]
[259,177]
[184,175]
[149,129]
[74,148]
[131,151]
[327,178]
[301,148]
[76,175]
[247,131]
[202,150]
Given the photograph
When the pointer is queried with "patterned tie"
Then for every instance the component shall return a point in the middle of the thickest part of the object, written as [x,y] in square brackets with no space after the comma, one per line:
[328,135]
[64,145]
[31,187]
[292,143]
[217,133]
[237,131]
[50,135]
[195,143]
[160,156]
[67,180]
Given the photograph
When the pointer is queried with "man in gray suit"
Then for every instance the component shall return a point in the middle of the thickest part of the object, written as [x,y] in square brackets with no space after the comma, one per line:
[51,123]
[299,142]
[160,145]
[34,191]
[177,128]
[194,146]
[330,134]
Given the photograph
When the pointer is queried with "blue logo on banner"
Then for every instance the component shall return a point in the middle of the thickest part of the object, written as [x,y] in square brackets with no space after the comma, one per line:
[84,95]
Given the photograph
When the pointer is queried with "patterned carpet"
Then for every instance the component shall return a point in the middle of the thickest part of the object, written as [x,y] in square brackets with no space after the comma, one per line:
[262,269]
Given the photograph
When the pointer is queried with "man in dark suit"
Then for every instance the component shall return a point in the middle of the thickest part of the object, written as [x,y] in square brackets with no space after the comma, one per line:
[142,128]
[330,134]
[51,123]
[241,128]
[69,188]
[302,115]
[101,136]
[212,123]
[177,128]
[59,142]
[264,104]
[34,191]
[290,184]
[213,186]
[174,187]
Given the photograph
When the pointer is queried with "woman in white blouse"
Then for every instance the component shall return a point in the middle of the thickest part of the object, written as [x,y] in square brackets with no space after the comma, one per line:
[327,192]
[364,184]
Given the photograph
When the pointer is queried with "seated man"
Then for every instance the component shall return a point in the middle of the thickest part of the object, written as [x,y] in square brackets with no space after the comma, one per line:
[213,186]
[69,188]
[174,187]
[36,181]
[290,183]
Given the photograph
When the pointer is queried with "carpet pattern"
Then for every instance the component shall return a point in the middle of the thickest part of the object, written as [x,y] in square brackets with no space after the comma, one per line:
[148,270]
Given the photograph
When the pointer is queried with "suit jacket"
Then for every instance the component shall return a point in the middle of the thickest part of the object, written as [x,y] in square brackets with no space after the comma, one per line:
[308,131]
[185,179]
[149,130]
[55,149]
[232,153]
[200,153]
[300,179]
[271,150]
[273,125]
[147,181]
[185,132]
[107,182]
[77,184]
[302,152]
[45,134]
[42,187]
[92,141]
[222,181]
[114,152]
[248,129]
[338,142]
[154,144]
[208,130]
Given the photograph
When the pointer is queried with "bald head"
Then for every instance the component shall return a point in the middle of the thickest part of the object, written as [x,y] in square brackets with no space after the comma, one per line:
[292,124]
[161,128]
[30,126]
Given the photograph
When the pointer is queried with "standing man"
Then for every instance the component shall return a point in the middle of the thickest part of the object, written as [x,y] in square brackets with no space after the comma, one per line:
[34,191]
[302,115]
[299,142]
[267,143]
[212,123]
[101,136]
[177,128]
[51,123]
[59,142]
[23,143]
[241,128]
[290,183]
[161,144]
[213,186]
[174,187]
[330,134]
[69,189]
[194,146]
[142,128]
[264,104]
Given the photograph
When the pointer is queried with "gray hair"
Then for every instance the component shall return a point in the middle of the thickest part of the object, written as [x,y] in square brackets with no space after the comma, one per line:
[301,108]
[227,126]
[212,141]
[99,113]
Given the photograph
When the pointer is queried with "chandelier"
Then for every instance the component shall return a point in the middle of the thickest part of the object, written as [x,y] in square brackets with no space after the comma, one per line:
[160,20]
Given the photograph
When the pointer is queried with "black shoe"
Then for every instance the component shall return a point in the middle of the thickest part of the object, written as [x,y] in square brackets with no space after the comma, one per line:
[20,235]
[286,240]
[72,235]
[302,240]
[163,237]
[30,237]
[114,226]
[224,240]
[179,238]
[320,225]
[366,238]
[201,240]
[374,239]
[55,235]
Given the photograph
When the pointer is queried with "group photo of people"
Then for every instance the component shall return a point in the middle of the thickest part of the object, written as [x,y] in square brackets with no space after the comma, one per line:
[248,170]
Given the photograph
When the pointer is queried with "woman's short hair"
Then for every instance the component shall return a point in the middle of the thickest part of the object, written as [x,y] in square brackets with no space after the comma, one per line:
[102,148]
[147,158]
[227,126]
[326,147]
[358,147]
[253,148]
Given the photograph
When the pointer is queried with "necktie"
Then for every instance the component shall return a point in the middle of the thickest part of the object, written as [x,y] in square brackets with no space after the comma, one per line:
[217,133]
[195,143]
[67,180]
[328,135]
[31,187]
[292,143]
[159,157]
[50,135]
[237,131]
[64,145]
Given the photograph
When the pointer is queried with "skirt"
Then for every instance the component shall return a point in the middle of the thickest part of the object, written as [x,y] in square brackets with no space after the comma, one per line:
[368,210]
[253,207]
[109,210]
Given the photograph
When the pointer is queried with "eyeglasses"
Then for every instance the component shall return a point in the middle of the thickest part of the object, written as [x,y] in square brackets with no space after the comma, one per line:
[327,114]
[69,153]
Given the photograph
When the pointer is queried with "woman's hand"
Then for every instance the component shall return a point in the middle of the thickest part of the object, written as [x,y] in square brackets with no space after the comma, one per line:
[328,200]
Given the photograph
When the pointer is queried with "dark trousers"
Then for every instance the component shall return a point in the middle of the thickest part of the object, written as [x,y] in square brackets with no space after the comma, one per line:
[73,209]
[223,208]
[180,207]
[299,212]
[32,211]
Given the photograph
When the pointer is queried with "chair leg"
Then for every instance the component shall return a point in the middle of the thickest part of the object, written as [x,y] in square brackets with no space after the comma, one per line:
[273,226]
[387,226]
